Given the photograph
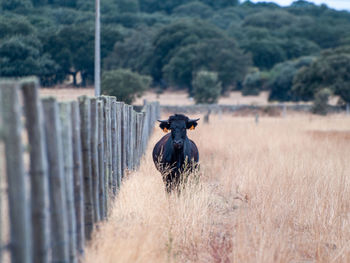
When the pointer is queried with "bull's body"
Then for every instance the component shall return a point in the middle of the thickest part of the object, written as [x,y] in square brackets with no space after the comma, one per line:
[175,150]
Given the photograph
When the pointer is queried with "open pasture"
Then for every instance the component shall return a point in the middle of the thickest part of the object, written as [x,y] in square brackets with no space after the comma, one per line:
[278,191]
[166,98]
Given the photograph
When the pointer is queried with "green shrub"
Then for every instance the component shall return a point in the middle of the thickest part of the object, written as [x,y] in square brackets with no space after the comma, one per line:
[321,101]
[206,87]
[124,84]
[252,84]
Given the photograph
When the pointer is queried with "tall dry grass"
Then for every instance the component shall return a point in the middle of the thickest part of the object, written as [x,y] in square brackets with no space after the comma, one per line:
[274,192]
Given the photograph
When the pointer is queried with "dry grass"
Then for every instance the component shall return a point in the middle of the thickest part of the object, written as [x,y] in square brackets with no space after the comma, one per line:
[167,98]
[181,98]
[276,192]
[66,94]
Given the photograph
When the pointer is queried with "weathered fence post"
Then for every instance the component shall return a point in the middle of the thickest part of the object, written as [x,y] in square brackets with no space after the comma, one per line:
[119,109]
[78,152]
[94,159]
[284,110]
[78,178]
[84,107]
[66,133]
[20,223]
[131,132]
[143,118]
[58,200]
[124,138]
[145,129]
[139,117]
[107,148]
[38,171]
[134,146]
[101,164]
[114,177]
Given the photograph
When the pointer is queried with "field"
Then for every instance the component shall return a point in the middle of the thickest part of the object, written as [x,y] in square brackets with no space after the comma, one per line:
[278,191]
[167,98]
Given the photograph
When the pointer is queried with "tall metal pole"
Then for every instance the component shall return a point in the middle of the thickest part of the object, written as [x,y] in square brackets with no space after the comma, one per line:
[97,51]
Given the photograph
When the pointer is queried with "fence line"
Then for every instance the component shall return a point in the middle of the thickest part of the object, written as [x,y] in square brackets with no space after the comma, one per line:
[78,153]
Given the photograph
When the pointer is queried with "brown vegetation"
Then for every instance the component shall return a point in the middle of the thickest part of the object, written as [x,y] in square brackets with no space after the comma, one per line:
[268,193]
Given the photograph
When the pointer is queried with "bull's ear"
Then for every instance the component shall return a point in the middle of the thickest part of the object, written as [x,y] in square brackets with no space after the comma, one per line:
[164,125]
[191,124]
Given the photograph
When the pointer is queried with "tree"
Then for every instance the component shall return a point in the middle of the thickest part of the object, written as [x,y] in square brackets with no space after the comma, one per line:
[281,78]
[194,9]
[331,70]
[206,87]
[139,44]
[321,101]
[130,6]
[15,4]
[181,49]
[72,49]
[265,53]
[218,4]
[224,18]
[124,84]
[151,6]
[271,19]
[217,55]
[253,83]
[175,36]
[15,25]
[22,56]
[298,47]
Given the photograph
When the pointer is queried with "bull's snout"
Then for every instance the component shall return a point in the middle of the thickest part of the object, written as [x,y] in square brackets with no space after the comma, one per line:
[178,144]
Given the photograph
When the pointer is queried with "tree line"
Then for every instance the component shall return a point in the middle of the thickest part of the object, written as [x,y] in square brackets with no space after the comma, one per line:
[203,46]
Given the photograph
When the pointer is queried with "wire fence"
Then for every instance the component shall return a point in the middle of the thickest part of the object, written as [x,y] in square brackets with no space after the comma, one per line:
[62,166]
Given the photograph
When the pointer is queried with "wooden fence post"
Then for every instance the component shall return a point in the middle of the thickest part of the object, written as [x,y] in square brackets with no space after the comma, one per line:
[38,171]
[78,178]
[114,177]
[67,154]
[107,148]
[158,110]
[119,109]
[145,127]
[20,221]
[84,108]
[131,131]
[58,200]
[124,149]
[134,139]
[143,123]
[95,159]
[101,164]
[138,139]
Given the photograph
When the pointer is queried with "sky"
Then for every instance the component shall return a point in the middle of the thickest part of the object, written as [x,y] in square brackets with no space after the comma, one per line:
[336,4]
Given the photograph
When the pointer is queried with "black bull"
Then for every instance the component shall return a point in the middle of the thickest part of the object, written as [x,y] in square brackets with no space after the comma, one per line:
[172,151]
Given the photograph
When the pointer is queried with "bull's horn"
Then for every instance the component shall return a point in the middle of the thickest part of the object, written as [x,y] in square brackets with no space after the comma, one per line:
[194,119]
[162,120]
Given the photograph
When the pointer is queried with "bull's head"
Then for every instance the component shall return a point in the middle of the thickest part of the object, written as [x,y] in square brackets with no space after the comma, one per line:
[178,125]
